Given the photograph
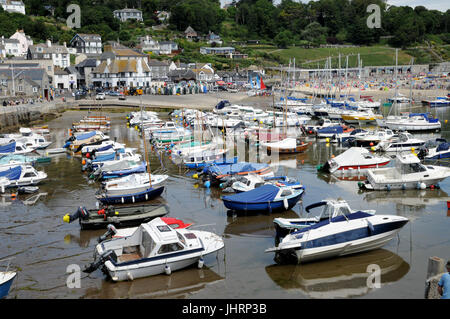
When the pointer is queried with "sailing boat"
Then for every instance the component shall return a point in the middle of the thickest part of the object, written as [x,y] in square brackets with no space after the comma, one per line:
[137,193]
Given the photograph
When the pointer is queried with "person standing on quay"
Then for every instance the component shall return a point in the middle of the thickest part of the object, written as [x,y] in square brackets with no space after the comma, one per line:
[444,284]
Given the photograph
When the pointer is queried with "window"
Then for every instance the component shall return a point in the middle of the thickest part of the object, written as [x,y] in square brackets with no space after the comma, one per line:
[169,248]
[181,238]
[29,175]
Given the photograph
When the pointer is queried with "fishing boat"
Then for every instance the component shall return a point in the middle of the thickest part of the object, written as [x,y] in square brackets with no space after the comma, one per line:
[142,196]
[154,248]
[357,159]
[345,234]
[331,208]
[118,216]
[252,181]
[408,173]
[267,198]
[403,142]
[287,146]
[23,175]
[131,184]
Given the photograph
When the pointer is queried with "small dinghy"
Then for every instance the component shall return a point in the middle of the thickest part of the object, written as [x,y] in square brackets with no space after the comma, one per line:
[27,190]
[268,198]
[120,216]
[331,208]
[356,159]
[56,151]
[148,194]
[154,248]
[345,234]
[408,173]
[287,146]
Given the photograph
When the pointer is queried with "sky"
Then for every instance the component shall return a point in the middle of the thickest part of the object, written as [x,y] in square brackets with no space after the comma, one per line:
[441,5]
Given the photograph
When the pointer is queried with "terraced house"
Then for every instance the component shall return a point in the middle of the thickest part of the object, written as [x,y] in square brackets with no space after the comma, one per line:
[87,43]
[49,51]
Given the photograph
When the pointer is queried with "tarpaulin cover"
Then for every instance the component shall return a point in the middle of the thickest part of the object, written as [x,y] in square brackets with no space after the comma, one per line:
[12,173]
[235,168]
[104,158]
[138,169]
[8,148]
[443,147]
[104,148]
[331,129]
[86,136]
[263,194]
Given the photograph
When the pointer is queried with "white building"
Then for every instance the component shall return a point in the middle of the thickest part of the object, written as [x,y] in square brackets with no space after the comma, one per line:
[127,14]
[64,79]
[13,6]
[122,73]
[148,44]
[24,41]
[48,51]
[12,46]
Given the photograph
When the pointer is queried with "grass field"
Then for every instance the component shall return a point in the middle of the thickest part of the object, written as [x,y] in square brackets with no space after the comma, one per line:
[311,58]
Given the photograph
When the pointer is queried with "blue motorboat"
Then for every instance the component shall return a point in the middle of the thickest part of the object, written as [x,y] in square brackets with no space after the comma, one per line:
[220,173]
[203,164]
[267,198]
[125,172]
[148,194]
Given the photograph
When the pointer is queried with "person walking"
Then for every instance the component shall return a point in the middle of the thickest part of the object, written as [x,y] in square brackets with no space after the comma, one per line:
[444,284]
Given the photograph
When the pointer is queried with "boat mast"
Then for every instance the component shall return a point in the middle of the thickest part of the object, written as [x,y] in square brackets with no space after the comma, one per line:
[145,147]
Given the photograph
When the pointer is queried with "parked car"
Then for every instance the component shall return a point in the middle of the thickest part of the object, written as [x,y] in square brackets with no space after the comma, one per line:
[100,96]
[113,93]
[122,96]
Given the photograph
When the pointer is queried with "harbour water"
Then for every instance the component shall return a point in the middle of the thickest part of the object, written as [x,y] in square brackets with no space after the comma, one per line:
[43,246]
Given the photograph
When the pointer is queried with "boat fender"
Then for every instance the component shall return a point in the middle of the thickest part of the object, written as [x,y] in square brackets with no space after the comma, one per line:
[129,276]
[286,204]
[133,199]
[403,186]
[111,231]
[371,228]
[388,187]
[423,185]
[207,184]
[123,200]
[200,263]
[167,270]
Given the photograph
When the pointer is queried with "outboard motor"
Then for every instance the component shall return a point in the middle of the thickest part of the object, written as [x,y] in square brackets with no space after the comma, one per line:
[111,231]
[100,260]
[81,213]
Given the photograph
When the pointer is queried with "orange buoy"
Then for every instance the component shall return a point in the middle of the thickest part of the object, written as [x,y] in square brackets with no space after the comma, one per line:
[13,196]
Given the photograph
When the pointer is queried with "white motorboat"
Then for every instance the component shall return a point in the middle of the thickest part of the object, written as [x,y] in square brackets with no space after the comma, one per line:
[154,248]
[404,142]
[355,159]
[347,233]
[413,122]
[374,137]
[331,209]
[14,147]
[252,181]
[23,175]
[408,173]
[131,184]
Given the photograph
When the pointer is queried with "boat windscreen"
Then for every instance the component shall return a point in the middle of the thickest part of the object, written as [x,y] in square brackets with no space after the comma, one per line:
[308,208]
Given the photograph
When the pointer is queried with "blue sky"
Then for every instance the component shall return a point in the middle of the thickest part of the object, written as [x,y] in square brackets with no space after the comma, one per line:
[441,5]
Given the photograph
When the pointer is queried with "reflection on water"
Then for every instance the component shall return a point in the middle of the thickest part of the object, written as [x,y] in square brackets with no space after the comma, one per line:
[343,277]
[257,225]
[179,284]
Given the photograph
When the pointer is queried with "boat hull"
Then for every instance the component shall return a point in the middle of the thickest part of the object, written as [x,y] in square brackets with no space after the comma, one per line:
[273,206]
[132,198]
[5,284]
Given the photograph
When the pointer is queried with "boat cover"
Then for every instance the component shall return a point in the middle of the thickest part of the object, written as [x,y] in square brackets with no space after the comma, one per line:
[234,168]
[331,129]
[85,136]
[263,194]
[104,148]
[8,148]
[104,158]
[443,147]
[12,173]
[138,169]
[6,159]
[426,116]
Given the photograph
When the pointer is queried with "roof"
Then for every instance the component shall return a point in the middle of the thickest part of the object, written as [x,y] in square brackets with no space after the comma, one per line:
[408,158]
[87,63]
[119,66]
[45,49]
[59,71]
[154,62]
[127,10]
[202,70]
[189,29]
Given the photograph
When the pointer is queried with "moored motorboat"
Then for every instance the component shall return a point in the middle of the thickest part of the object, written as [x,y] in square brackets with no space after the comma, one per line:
[23,175]
[331,209]
[119,216]
[357,159]
[6,280]
[287,146]
[154,248]
[131,184]
[141,196]
[345,234]
[404,142]
[408,173]
[252,181]
[267,198]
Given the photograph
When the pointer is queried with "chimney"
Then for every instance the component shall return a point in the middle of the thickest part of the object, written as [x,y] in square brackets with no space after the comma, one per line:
[49,43]
[65,44]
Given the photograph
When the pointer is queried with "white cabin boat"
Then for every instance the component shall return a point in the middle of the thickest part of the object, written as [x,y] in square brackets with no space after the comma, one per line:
[154,248]
[404,142]
[131,184]
[408,173]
